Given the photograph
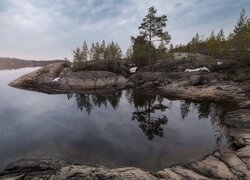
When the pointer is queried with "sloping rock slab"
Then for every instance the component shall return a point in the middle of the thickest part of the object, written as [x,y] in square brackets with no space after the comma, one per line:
[213,167]
[238,119]
[56,77]
[56,169]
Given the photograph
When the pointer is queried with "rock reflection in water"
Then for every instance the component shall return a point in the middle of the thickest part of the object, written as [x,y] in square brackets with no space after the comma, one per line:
[150,110]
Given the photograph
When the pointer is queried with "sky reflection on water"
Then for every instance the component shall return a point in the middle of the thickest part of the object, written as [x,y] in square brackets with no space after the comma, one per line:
[127,128]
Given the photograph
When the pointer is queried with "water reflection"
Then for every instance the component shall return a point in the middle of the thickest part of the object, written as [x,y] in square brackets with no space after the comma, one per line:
[126,128]
[145,105]
[150,110]
[87,102]
[146,108]
[207,110]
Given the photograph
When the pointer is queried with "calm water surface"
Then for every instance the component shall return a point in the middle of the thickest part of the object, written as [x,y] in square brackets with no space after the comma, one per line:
[127,128]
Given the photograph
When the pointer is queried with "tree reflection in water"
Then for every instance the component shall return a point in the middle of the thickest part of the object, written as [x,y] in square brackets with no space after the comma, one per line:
[206,110]
[146,108]
[150,110]
[88,102]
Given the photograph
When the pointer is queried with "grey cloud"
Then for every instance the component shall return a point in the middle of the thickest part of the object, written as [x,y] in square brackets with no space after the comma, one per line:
[46,29]
[4,5]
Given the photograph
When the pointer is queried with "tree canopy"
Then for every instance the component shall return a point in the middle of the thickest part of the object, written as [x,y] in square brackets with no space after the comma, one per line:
[97,52]
[152,27]
[152,41]
[235,45]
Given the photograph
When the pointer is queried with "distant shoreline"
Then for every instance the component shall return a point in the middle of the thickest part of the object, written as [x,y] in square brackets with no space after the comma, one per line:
[15,63]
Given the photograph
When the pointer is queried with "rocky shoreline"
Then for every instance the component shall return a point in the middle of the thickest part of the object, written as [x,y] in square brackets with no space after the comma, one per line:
[230,164]
[211,86]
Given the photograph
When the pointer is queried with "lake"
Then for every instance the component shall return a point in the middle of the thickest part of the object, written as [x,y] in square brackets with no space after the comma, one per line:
[126,128]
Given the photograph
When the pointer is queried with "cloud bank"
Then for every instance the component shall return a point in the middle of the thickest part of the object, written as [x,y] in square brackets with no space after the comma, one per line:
[35,29]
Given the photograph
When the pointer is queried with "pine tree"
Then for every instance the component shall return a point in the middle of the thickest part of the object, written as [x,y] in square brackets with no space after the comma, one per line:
[195,43]
[248,34]
[241,23]
[113,52]
[161,51]
[67,62]
[212,45]
[97,52]
[92,52]
[212,35]
[221,35]
[220,38]
[77,61]
[197,38]
[142,50]
[85,52]
[240,39]
[118,55]
[129,54]
[103,50]
[153,27]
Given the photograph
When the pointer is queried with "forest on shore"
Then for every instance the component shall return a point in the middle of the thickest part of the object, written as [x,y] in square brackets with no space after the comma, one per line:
[153,44]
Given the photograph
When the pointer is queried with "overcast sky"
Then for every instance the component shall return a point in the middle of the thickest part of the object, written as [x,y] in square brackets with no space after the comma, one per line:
[51,29]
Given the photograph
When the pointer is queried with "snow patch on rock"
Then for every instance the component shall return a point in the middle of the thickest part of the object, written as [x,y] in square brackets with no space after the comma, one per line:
[56,79]
[133,69]
[198,69]
[219,63]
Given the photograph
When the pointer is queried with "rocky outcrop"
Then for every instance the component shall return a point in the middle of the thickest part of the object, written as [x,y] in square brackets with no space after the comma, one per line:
[57,169]
[230,164]
[57,78]
[179,62]
[193,86]
[211,86]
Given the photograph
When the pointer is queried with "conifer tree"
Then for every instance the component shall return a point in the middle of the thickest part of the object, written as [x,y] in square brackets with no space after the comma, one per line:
[77,61]
[153,27]
[212,45]
[240,38]
[103,50]
[151,30]
[220,38]
[85,52]
[97,52]
[129,54]
[118,52]
[221,35]
[92,52]
[161,51]
[142,50]
[241,23]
